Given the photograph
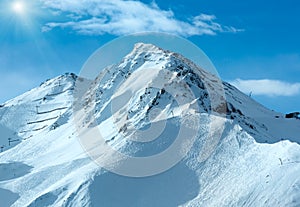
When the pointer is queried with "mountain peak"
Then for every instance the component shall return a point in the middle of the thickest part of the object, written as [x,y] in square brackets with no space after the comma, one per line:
[144,51]
[68,77]
[145,47]
[41,137]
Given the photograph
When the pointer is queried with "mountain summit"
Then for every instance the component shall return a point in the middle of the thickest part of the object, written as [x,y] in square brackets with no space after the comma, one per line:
[227,150]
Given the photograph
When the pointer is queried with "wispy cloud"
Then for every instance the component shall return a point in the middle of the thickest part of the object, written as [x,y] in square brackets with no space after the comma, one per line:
[267,87]
[118,17]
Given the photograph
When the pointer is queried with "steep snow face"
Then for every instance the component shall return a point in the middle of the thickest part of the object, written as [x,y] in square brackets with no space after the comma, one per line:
[149,97]
[36,110]
[40,168]
[46,162]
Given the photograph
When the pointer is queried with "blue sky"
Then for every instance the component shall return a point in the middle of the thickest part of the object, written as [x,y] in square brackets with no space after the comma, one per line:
[254,44]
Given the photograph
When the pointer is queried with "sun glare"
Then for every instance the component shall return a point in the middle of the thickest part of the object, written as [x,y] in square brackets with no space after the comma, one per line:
[18,7]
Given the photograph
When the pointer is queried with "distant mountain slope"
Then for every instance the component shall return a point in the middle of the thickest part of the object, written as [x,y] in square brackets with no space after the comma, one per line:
[254,162]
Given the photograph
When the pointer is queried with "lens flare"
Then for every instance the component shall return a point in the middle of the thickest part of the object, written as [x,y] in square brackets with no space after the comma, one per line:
[18,7]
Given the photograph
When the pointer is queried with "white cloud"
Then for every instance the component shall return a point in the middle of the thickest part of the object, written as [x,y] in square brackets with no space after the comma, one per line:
[119,17]
[267,87]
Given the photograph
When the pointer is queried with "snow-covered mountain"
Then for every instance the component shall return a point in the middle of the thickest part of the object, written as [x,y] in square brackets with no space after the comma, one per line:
[249,156]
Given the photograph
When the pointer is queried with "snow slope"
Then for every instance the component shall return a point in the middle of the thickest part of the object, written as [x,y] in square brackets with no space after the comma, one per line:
[255,162]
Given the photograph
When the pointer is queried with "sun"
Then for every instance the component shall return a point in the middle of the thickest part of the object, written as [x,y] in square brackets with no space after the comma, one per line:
[18,7]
